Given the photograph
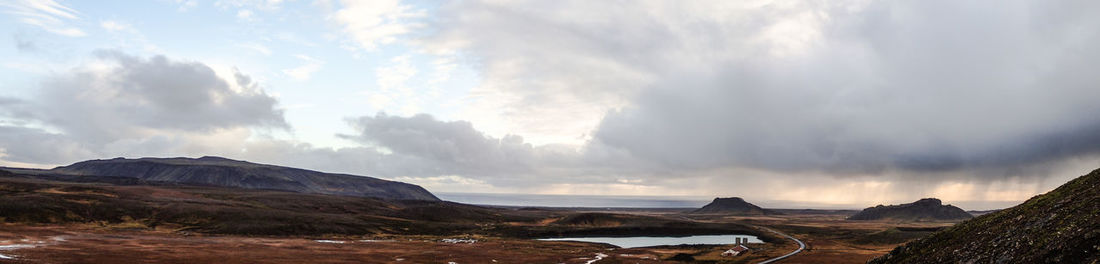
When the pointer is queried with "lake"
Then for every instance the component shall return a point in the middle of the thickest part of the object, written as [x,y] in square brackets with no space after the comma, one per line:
[631,242]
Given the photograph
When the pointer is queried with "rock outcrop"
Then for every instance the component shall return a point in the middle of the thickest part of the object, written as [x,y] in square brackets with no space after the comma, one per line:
[1061,226]
[733,206]
[923,209]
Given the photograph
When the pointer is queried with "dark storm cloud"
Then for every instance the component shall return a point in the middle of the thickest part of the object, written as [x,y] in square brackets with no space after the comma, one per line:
[899,86]
[1079,141]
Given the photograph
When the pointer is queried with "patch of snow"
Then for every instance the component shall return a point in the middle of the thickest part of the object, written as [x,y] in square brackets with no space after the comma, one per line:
[329,241]
[375,240]
[634,256]
[16,246]
[459,240]
[599,256]
[452,262]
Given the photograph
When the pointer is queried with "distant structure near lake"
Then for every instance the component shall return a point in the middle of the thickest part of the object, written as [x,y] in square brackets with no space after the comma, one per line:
[737,249]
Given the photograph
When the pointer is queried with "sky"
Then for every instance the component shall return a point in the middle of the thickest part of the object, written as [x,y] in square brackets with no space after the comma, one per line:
[831,103]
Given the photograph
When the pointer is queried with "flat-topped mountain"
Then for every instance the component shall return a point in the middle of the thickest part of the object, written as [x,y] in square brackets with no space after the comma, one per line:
[732,205]
[923,209]
[217,171]
[1061,226]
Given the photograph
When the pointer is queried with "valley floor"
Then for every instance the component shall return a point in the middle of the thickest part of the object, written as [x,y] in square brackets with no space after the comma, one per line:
[57,244]
[46,220]
[829,239]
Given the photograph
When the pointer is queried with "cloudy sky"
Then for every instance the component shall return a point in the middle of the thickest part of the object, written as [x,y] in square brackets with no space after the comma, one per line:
[980,103]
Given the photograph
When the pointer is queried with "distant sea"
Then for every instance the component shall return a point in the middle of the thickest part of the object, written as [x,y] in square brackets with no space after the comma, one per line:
[550,200]
[622,201]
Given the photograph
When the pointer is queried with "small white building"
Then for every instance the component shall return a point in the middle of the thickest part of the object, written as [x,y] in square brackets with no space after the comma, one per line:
[736,250]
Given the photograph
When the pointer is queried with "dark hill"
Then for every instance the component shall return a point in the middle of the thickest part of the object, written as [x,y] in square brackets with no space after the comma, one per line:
[732,205]
[37,200]
[45,199]
[923,209]
[216,171]
[1061,226]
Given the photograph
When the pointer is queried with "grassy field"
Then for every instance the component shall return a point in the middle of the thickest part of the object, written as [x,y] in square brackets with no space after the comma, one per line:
[106,221]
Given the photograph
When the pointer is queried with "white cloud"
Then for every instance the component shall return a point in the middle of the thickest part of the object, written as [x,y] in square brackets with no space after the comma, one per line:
[47,15]
[127,37]
[373,23]
[394,93]
[257,47]
[257,4]
[394,76]
[116,26]
[379,101]
[184,5]
[307,69]
[444,67]
[245,15]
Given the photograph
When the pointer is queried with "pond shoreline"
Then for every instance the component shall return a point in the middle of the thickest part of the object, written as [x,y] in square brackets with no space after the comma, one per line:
[652,241]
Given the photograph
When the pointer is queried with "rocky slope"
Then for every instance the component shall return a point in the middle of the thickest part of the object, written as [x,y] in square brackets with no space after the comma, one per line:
[732,205]
[216,171]
[1061,226]
[923,209]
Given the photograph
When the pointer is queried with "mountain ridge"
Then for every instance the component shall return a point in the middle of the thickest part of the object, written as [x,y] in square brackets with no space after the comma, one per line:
[219,171]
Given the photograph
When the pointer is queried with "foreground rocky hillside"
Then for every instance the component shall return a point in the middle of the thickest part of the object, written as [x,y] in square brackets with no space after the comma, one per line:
[732,205]
[923,209]
[224,172]
[1062,226]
